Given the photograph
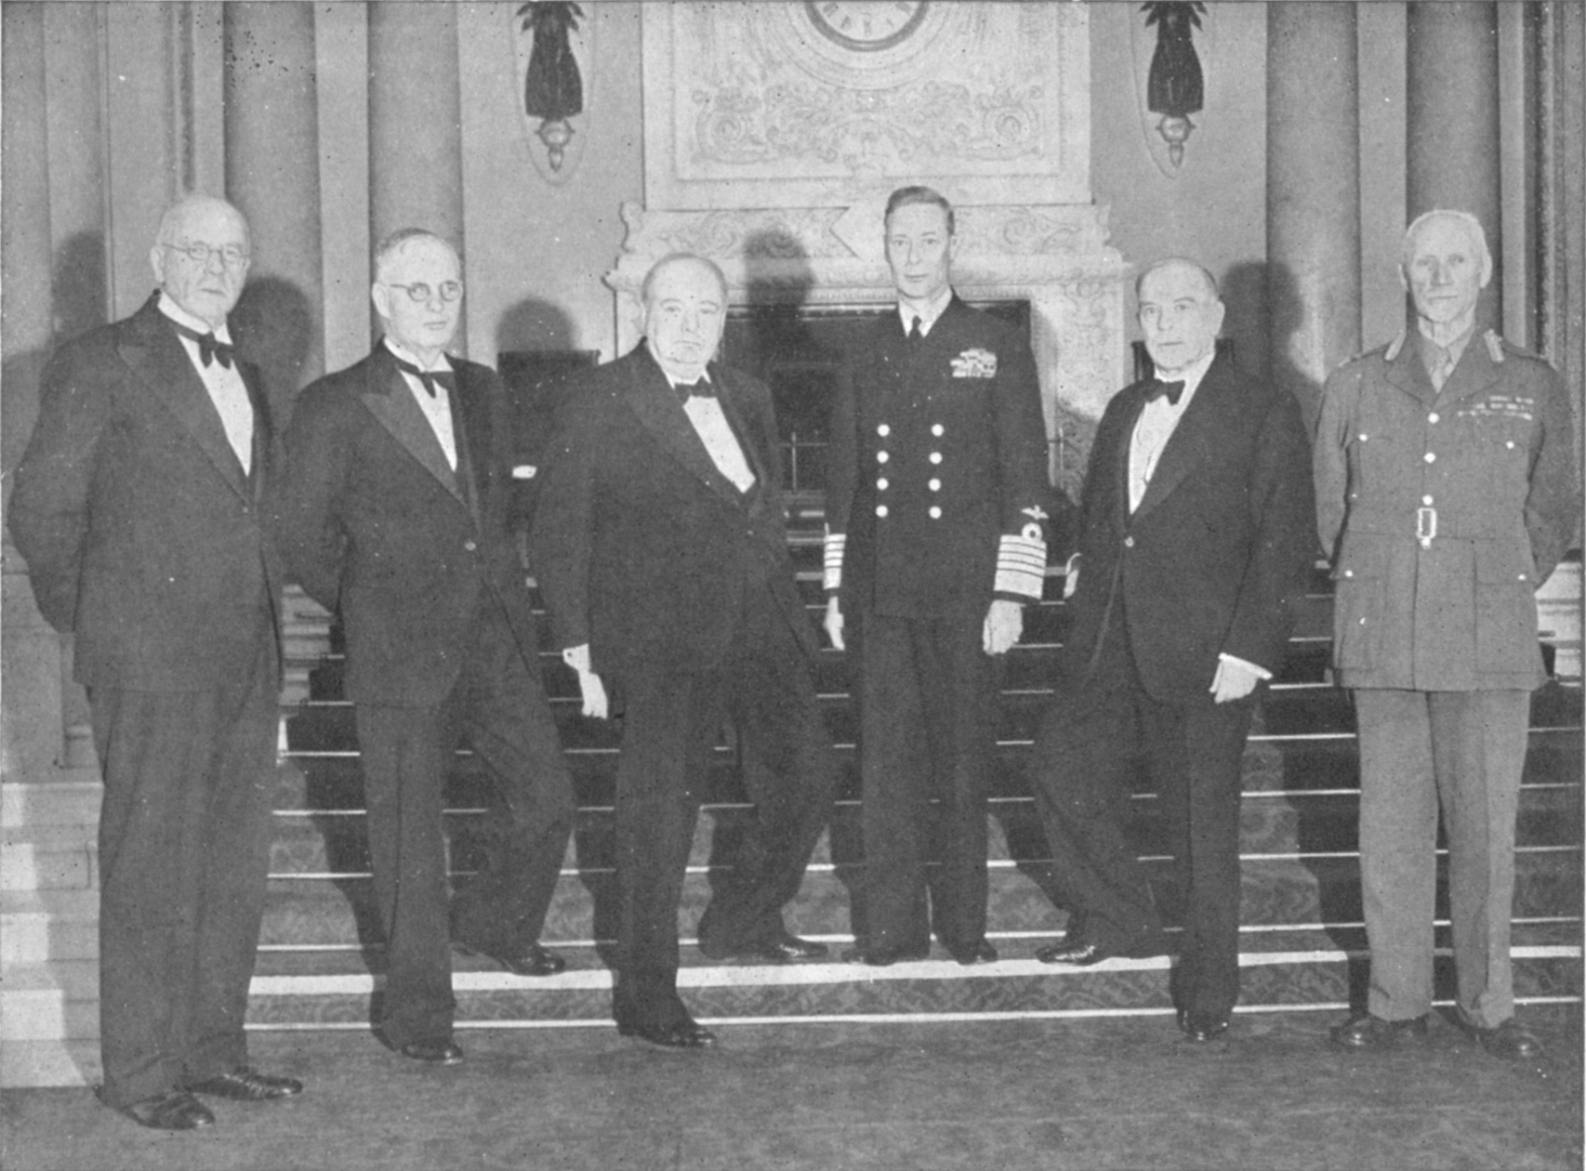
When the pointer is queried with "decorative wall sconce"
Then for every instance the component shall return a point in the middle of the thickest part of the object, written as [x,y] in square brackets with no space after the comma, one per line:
[553,52]
[1175,86]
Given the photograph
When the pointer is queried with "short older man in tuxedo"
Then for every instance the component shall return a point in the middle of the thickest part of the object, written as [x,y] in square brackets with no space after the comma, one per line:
[393,510]
[1195,541]
[660,547]
[137,507]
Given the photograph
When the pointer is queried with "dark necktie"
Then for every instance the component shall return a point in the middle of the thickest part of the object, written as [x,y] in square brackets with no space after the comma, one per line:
[430,378]
[704,388]
[915,332]
[1168,390]
[210,348]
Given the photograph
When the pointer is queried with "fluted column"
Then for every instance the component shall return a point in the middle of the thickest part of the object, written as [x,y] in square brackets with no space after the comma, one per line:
[272,175]
[415,122]
[1452,119]
[1313,192]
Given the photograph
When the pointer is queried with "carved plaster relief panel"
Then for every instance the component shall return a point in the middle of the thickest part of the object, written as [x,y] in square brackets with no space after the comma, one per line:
[821,103]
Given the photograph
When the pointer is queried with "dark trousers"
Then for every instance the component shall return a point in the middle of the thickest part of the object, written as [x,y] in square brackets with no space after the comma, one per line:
[1101,723]
[498,708]
[184,842]
[671,724]
[927,754]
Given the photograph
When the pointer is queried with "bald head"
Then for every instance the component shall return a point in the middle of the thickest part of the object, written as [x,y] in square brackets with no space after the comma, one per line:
[201,255]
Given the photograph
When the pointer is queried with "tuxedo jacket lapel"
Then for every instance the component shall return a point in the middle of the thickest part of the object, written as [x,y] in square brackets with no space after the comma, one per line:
[390,401]
[651,398]
[156,356]
[471,432]
[1192,444]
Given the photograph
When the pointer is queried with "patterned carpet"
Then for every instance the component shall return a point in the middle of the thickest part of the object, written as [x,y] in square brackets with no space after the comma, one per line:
[1089,1094]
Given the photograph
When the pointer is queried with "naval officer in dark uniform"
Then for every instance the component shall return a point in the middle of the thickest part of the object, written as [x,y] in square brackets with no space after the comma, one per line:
[935,541]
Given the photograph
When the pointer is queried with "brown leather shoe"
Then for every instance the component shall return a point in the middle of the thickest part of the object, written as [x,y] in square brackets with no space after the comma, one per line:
[246,1085]
[172,1110]
[1081,953]
[786,949]
[533,960]
[433,1052]
[1510,1040]
[1364,1031]
[684,1034]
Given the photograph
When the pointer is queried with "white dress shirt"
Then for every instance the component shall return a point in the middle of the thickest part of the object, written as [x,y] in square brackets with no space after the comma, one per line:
[224,383]
[437,408]
[711,425]
[1155,427]
[929,316]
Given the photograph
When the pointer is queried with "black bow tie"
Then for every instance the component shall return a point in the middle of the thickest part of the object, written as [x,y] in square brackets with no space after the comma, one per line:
[430,378]
[704,388]
[1168,390]
[210,348]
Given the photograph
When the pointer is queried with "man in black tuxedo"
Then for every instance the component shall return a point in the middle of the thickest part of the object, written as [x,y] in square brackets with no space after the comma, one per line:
[1195,543]
[660,548]
[393,509]
[935,541]
[137,507]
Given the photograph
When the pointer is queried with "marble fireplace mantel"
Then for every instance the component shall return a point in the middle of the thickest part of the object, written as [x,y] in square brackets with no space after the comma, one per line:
[775,131]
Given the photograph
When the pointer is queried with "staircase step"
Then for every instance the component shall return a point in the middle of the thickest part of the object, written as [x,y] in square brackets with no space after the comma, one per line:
[48,925]
[937,987]
[1278,890]
[330,780]
[1272,822]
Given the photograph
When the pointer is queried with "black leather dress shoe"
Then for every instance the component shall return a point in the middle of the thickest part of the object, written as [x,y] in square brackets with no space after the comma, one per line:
[1364,1031]
[1081,953]
[982,953]
[1511,1040]
[884,957]
[787,949]
[247,1085]
[1202,1026]
[172,1110]
[684,1034]
[433,1052]
[533,960]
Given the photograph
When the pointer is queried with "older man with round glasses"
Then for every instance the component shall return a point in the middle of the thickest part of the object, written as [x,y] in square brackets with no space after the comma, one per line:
[394,509]
[137,507]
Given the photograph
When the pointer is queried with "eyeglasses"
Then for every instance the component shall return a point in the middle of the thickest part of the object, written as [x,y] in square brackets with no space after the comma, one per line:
[199,252]
[419,292]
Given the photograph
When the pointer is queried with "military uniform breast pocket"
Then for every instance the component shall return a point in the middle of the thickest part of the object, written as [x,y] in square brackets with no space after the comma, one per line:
[1487,451]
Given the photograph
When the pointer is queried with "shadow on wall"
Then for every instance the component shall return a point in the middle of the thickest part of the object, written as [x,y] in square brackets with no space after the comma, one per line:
[274,328]
[77,305]
[533,324]
[1286,315]
[1244,291]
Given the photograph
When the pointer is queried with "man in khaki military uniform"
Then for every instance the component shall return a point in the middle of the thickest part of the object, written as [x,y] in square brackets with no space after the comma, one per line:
[1446,493]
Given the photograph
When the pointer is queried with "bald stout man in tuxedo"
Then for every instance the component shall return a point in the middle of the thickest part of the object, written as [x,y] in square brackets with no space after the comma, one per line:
[660,547]
[1195,542]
